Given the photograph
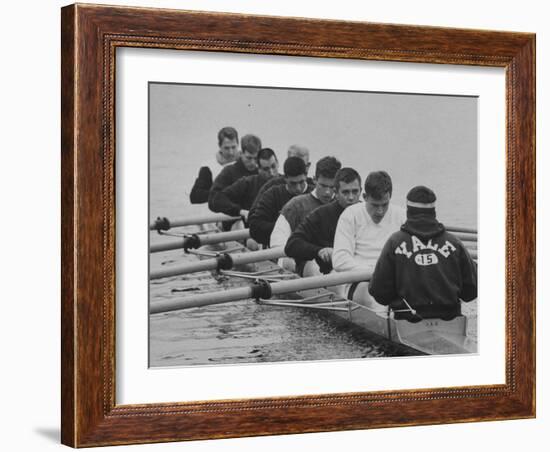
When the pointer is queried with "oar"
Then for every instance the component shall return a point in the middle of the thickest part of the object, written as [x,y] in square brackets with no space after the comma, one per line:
[198,240]
[194,241]
[461,229]
[465,237]
[164,224]
[261,289]
[222,262]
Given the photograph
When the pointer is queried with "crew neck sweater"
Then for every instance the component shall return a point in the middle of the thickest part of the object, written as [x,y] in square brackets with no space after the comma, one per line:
[292,214]
[263,217]
[313,234]
[358,240]
[277,180]
[299,207]
[228,175]
[238,196]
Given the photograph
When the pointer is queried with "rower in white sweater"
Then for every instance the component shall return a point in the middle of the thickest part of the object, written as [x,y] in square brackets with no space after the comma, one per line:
[362,232]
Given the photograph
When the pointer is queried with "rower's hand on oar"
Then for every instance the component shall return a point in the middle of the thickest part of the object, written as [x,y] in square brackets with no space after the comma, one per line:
[325,254]
[244,215]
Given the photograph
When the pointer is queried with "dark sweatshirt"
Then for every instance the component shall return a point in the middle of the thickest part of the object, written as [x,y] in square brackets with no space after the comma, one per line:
[428,267]
[313,234]
[201,187]
[228,175]
[263,217]
[238,196]
[277,180]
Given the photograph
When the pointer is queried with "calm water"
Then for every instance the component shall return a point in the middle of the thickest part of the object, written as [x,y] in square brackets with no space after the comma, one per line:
[429,140]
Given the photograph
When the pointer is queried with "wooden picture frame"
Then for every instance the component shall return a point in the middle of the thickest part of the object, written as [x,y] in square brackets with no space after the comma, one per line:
[90,36]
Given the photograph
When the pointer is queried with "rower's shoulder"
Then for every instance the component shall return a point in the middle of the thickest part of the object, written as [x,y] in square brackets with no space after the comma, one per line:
[249,179]
[399,235]
[355,210]
[271,193]
[241,183]
[353,215]
[326,213]
[297,201]
[331,208]
[273,182]
[227,168]
[450,237]
[276,188]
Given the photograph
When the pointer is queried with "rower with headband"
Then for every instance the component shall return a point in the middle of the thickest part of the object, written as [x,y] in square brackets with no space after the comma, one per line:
[424,271]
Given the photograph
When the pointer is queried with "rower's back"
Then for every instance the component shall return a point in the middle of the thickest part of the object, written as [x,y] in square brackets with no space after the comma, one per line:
[263,217]
[424,271]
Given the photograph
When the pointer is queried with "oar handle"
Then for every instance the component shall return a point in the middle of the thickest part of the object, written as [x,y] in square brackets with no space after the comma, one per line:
[164,224]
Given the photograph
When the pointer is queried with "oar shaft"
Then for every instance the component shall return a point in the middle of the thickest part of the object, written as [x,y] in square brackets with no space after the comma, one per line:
[210,217]
[258,256]
[198,266]
[220,237]
[461,229]
[276,288]
[465,237]
[204,299]
[200,240]
[315,282]
[212,264]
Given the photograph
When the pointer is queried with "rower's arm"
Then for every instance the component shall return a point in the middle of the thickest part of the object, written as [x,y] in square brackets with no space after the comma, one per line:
[262,219]
[223,201]
[382,284]
[224,179]
[343,257]
[281,232]
[468,269]
[299,245]
[201,187]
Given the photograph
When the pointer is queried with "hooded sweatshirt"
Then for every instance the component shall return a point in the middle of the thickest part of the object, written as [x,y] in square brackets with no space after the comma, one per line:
[425,265]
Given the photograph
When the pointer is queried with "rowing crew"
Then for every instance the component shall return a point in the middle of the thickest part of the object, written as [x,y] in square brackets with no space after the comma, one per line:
[419,269]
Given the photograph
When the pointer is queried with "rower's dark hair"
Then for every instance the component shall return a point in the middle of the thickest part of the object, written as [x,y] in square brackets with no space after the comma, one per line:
[327,167]
[266,154]
[347,175]
[378,183]
[227,132]
[251,144]
[294,166]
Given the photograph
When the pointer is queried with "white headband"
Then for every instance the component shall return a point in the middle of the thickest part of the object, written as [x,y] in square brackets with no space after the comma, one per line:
[421,205]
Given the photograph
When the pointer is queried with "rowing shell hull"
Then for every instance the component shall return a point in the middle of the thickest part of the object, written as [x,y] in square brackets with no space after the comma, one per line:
[429,336]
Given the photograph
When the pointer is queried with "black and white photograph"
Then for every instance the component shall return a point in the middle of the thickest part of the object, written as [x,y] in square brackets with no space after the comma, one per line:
[294,224]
